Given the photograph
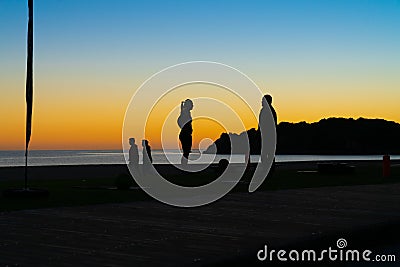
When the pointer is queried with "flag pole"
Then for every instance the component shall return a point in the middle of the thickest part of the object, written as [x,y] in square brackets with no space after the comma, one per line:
[28,192]
[29,87]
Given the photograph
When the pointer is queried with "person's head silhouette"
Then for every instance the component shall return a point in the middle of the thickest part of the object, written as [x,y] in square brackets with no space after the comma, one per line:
[188,104]
[145,142]
[267,99]
[131,141]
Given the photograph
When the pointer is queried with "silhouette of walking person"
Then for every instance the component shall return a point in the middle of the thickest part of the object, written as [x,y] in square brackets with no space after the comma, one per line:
[147,159]
[185,123]
[133,155]
[263,125]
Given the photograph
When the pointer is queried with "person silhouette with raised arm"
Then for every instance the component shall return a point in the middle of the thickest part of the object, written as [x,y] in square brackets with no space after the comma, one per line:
[262,124]
[185,123]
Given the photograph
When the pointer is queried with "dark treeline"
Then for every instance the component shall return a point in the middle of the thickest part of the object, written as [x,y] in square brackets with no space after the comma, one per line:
[338,136]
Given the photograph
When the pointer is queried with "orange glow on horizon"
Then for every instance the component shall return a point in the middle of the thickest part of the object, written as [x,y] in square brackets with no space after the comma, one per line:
[75,119]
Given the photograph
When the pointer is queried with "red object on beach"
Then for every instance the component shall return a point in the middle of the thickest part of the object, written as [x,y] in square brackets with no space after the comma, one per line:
[386,166]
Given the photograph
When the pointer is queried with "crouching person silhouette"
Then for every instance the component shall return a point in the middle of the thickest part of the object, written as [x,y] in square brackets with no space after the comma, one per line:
[185,123]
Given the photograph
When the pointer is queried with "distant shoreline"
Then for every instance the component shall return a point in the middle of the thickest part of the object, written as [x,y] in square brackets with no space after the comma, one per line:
[110,157]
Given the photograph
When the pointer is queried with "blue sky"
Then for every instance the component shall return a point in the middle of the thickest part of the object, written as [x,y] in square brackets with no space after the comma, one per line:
[161,32]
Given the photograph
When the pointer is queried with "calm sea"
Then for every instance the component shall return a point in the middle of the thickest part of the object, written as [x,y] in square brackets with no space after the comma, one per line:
[82,157]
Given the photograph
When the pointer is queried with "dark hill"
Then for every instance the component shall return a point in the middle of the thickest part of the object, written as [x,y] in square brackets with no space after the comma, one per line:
[338,136]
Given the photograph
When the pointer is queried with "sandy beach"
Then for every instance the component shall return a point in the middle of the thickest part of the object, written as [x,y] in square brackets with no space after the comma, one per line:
[123,230]
[111,170]
[229,232]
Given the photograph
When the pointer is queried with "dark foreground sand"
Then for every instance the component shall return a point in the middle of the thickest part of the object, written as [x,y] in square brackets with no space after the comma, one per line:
[111,170]
[228,232]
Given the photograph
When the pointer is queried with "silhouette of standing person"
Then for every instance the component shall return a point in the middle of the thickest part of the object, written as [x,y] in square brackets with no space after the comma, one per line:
[147,159]
[185,123]
[133,154]
[263,126]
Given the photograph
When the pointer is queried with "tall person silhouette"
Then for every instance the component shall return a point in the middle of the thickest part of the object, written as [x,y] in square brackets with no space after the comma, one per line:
[185,123]
[262,124]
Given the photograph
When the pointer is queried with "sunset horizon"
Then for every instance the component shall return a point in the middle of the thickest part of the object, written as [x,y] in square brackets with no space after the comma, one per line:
[88,65]
[117,145]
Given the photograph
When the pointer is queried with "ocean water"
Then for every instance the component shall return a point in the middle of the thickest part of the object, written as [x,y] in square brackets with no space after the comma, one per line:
[84,157]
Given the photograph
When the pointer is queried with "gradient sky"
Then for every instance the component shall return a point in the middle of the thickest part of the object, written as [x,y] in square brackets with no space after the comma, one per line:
[317,58]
